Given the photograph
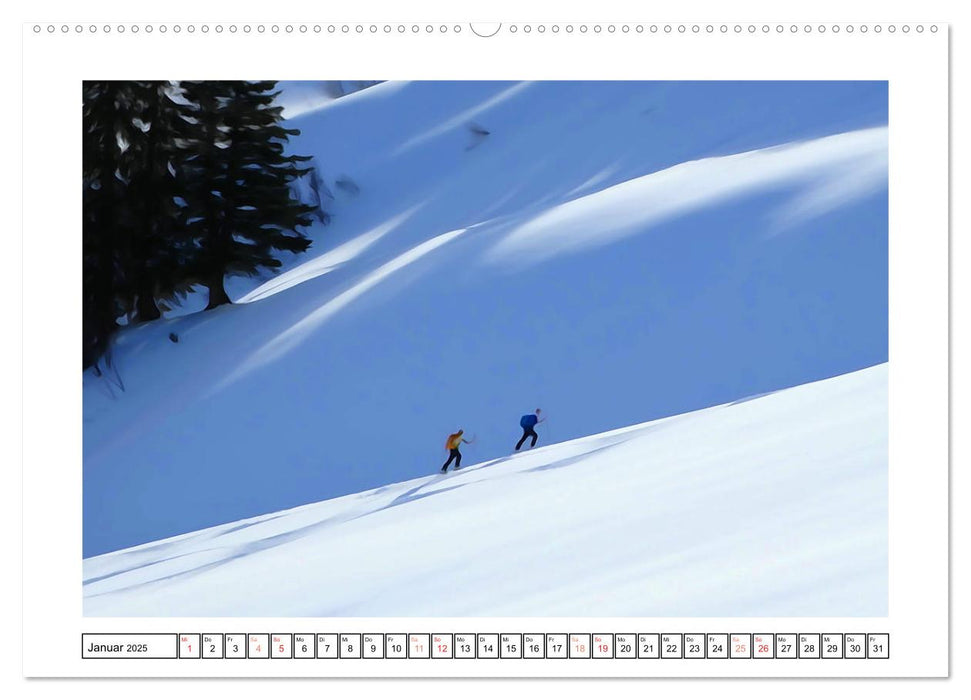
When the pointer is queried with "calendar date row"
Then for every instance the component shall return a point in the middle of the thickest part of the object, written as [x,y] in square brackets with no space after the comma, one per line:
[487,646]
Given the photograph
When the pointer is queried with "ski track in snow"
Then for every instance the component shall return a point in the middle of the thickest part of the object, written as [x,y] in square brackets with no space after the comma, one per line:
[328,261]
[462,118]
[280,344]
[775,505]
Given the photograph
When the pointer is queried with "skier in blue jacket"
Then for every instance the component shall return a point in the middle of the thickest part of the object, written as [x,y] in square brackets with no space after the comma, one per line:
[528,424]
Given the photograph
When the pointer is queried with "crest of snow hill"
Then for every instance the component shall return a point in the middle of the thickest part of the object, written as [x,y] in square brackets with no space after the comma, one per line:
[747,509]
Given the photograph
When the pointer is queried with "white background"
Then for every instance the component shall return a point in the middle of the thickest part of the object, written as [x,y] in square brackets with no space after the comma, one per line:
[918,318]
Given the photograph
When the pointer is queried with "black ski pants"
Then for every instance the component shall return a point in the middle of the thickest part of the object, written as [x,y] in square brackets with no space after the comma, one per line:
[527,432]
[453,454]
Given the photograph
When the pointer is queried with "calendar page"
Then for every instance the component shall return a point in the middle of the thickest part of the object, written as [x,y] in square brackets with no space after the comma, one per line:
[433,347]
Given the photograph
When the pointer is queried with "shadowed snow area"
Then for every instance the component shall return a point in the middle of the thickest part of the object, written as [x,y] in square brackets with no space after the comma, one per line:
[774,506]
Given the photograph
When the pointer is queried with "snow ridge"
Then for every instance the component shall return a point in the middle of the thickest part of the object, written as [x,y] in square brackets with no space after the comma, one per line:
[775,505]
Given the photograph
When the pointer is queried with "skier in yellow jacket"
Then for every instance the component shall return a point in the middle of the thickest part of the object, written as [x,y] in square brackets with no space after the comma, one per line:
[452,445]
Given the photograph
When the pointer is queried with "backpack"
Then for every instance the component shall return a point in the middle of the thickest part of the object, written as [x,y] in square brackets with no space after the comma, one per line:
[528,421]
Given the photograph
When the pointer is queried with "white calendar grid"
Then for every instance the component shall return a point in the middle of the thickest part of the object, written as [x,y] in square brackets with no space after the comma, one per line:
[486,646]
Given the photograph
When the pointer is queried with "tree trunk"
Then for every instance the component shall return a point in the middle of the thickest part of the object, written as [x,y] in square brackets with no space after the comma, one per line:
[146,308]
[217,292]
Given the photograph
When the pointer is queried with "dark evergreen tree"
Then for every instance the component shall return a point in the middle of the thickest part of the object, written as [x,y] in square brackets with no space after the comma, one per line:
[243,206]
[133,145]
[107,219]
[158,247]
[184,183]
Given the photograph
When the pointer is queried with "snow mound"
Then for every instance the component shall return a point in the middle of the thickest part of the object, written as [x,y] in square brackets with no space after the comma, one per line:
[770,506]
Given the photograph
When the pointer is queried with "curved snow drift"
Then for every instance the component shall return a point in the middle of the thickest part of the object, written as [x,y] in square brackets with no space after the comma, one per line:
[832,171]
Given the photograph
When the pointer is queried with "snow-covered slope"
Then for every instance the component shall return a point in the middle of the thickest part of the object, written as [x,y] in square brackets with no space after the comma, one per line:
[775,505]
[610,252]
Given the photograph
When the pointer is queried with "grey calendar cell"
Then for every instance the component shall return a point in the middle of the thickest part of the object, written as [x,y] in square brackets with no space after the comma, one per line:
[580,646]
[878,646]
[854,646]
[763,646]
[648,646]
[625,646]
[327,646]
[465,646]
[831,646]
[603,646]
[213,646]
[190,646]
[419,646]
[235,646]
[258,646]
[487,646]
[304,646]
[372,646]
[557,646]
[717,646]
[671,646]
[442,646]
[786,645]
[533,646]
[809,646]
[511,646]
[694,646]
[396,646]
[350,646]
[281,646]
[740,646]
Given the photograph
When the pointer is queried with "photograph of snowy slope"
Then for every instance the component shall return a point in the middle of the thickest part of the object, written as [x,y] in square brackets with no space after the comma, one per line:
[361,348]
